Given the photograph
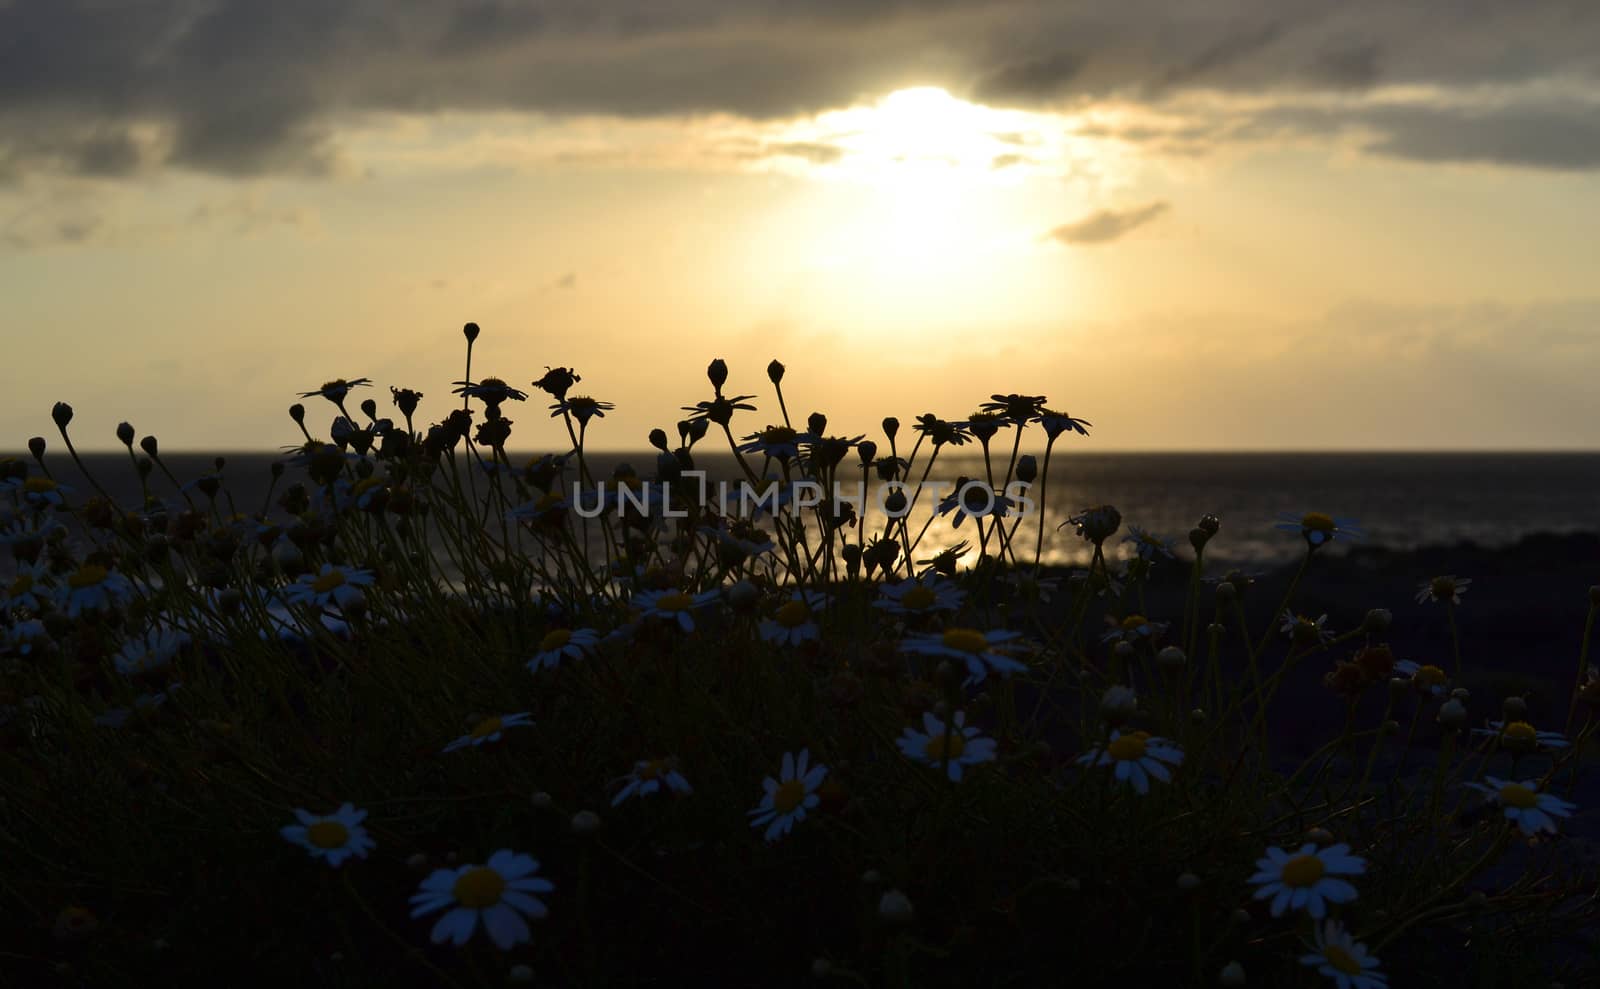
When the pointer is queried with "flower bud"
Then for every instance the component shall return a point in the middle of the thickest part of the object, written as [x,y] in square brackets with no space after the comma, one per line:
[36,447]
[1232,974]
[743,595]
[1453,714]
[775,371]
[542,801]
[1198,715]
[585,822]
[867,451]
[891,427]
[1198,538]
[1027,468]
[1226,592]
[817,424]
[1461,694]
[717,371]
[1378,621]
[1514,709]
[894,909]
[1209,524]
[1171,659]
[125,434]
[61,412]
[297,412]
[1119,701]
[470,331]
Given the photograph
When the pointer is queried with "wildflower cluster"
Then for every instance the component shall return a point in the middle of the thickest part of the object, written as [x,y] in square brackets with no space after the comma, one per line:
[821,739]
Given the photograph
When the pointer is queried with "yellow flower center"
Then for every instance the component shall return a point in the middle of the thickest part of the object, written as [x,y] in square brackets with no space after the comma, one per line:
[949,746]
[555,639]
[366,484]
[653,769]
[1443,587]
[793,614]
[1302,870]
[88,575]
[674,602]
[965,640]
[1429,676]
[1133,623]
[328,834]
[1341,960]
[777,434]
[788,796]
[22,585]
[479,888]
[1520,733]
[38,485]
[1518,796]
[328,581]
[1317,522]
[919,598]
[1129,746]
[486,727]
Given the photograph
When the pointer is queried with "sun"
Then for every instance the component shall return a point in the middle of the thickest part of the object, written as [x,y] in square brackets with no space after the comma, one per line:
[921,135]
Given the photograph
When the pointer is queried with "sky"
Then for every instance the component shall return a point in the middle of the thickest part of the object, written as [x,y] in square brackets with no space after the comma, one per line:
[1242,224]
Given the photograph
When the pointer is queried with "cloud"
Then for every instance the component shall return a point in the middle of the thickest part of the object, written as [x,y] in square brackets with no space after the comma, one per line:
[1106,225]
[242,87]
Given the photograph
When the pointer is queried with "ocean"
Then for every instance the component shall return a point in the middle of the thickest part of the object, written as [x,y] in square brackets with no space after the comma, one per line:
[1401,501]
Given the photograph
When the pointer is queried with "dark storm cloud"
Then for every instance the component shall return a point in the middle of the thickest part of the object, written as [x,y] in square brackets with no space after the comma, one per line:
[1560,138]
[1106,225]
[243,86]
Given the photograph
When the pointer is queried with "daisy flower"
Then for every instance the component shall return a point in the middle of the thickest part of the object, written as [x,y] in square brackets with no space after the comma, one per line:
[1306,630]
[1136,756]
[563,643]
[1425,677]
[1134,628]
[1447,588]
[1524,804]
[149,652]
[27,584]
[672,606]
[1148,545]
[38,493]
[941,745]
[582,408]
[1305,880]
[336,390]
[978,650]
[652,776]
[93,588]
[330,586]
[777,442]
[974,499]
[1344,959]
[1319,529]
[1056,423]
[1520,736]
[793,622]
[920,596]
[499,892]
[490,391]
[332,838]
[490,729]
[788,796]
[25,636]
